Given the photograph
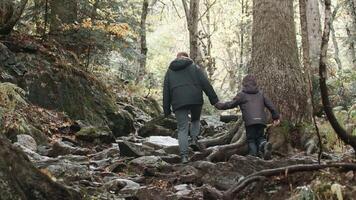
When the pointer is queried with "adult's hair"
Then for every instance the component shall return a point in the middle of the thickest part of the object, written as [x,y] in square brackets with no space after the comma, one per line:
[182,54]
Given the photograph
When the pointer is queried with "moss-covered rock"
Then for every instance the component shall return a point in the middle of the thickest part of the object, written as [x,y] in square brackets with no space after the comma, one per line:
[160,126]
[120,123]
[13,123]
[53,81]
[95,134]
[12,96]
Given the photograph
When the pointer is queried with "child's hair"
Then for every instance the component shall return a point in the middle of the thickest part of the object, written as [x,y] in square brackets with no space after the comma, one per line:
[182,54]
[249,80]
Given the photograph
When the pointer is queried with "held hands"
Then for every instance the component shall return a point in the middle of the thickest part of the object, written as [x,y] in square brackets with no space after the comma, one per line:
[219,105]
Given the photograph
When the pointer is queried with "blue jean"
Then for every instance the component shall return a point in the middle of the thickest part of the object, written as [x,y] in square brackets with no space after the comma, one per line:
[182,116]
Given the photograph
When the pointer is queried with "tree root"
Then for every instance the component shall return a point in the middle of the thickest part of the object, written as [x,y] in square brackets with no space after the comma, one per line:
[229,194]
[224,139]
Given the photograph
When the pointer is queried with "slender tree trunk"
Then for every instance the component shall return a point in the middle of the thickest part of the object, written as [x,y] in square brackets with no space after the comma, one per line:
[311,33]
[143,60]
[192,16]
[62,12]
[340,131]
[244,5]
[275,61]
[38,16]
[352,51]
[333,36]
[351,31]
[211,61]
[10,15]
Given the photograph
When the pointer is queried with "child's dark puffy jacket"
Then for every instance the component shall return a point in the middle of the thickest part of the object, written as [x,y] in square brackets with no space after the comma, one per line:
[252,103]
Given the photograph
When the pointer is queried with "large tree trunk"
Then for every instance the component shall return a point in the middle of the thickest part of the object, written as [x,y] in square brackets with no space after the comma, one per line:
[19,179]
[62,12]
[10,15]
[275,60]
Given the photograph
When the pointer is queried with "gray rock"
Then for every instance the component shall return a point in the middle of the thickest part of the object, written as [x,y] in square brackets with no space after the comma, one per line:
[63,168]
[182,190]
[123,187]
[26,141]
[159,126]
[131,149]
[112,152]
[95,134]
[148,161]
[65,148]
[33,156]
[172,150]
[159,142]
[171,158]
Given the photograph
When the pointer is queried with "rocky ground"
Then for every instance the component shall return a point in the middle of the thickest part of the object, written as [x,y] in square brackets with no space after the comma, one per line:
[91,143]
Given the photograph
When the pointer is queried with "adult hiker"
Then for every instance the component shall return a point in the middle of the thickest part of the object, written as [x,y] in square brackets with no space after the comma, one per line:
[183,88]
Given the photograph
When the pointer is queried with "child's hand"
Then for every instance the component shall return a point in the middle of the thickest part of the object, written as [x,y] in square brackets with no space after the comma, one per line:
[276,122]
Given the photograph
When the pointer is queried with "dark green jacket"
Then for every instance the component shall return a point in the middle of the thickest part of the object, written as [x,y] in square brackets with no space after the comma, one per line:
[184,84]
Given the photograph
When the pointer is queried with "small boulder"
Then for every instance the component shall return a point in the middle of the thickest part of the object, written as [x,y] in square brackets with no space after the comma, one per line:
[121,123]
[65,148]
[66,168]
[159,142]
[182,190]
[122,186]
[26,141]
[148,161]
[112,152]
[160,126]
[95,134]
[131,149]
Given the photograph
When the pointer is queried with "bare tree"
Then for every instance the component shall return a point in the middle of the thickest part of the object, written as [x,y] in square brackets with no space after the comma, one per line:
[143,59]
[192,16]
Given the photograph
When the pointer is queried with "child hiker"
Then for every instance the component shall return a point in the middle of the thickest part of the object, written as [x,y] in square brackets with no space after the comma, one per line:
[252,103]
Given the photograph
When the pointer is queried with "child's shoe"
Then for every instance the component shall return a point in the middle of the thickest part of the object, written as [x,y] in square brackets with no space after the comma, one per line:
[267,155]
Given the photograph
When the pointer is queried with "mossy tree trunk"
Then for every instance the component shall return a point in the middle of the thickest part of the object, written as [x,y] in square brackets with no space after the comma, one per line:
[275,61]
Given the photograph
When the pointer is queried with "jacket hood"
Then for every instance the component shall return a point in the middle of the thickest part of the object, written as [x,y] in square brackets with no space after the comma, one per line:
[250,89]
[249,86]
[180,63]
